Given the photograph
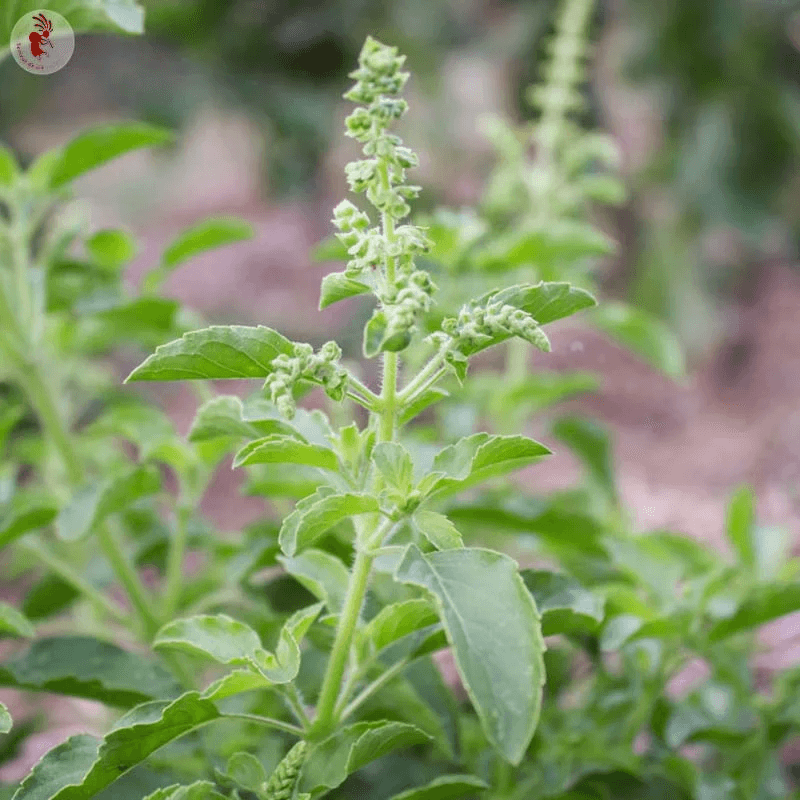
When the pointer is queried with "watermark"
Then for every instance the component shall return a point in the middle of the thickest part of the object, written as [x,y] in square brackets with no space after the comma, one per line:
[42,42]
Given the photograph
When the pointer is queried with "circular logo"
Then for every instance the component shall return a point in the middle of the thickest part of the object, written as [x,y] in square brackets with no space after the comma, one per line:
[42,42]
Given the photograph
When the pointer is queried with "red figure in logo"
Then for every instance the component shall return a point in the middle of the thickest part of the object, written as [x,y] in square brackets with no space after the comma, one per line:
[41,35]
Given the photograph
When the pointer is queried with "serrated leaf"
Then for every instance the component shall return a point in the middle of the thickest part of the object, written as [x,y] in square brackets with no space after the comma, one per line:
[111,249]
[95,147]
[740,525]
[764,604]
[353,747]
[14,623]
[218,352]
[90,505]
[564,605]
[437,529]
[448,787]
[83,765]
[284,664]
[218,637]
[80,666]
[545,302]
[394,463]
[477,458]
[322,574]
[644,335]
[493,626]
[318,513]
[236,682]
[278,449]
[226,416]
[337,286]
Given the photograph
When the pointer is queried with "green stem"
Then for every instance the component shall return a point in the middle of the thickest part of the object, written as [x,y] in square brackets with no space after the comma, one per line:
[341,646]
[269,722]
[70,576]
[516,361]
[174,568]
[423,381]
[293,699]
[373,687]
[129,578]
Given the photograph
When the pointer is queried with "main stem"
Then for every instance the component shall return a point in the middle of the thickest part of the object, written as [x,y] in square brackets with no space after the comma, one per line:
[359,578]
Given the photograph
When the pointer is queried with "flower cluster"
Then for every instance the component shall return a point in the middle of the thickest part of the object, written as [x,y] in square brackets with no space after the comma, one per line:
[479,326]
[403,291]
[321,367]
[281,783]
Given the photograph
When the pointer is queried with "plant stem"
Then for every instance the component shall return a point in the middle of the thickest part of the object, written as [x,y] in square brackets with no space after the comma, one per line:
[359,578]
[268,721]
[516,361]
[429,374]
[174,572]
[70,576]
[373,687]
[341,646]
[128,577]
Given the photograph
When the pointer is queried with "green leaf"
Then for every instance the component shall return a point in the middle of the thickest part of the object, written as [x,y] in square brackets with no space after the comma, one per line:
[236,682]
[337,286]
[80,666]
[111,249]
[329,249]
[394,463]
[590,443]
[227,416]
[218,637]
[25,513]
[9,169]
[95,147]
[764,604]
[643,334]
[353,747]
[477,458]
[565,605]
[377,339]
[397,620]
[318,513]
[322,574]
[90,505]
[114,16]
[427,398]
[437,529]
[232,351]
[740,525]
[5,719]
[199,790]
[14,623]
[206,235]
[448,787]
[247,771]
[545,302]
[283,666]
[83,765]
[493,626]
[277,449]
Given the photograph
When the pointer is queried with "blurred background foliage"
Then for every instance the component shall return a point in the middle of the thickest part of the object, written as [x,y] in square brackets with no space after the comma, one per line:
[711,151]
